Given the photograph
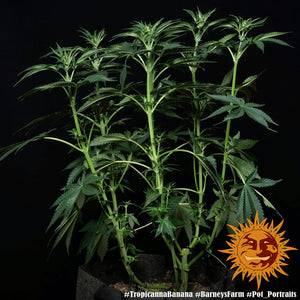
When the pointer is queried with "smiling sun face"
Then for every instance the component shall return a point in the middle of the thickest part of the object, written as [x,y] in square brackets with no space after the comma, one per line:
[257,250]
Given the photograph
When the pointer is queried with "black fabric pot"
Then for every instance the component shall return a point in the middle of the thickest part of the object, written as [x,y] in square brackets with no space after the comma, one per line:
[94,279]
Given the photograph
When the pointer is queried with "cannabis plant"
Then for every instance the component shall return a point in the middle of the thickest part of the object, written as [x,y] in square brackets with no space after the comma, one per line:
[141,109]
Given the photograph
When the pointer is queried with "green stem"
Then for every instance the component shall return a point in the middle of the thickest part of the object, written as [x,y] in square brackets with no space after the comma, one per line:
[175,260]
[184,269]
[62,141]
[198,170]
[229,121]
[192,261]
[113,214]
[149,111]
[228,125]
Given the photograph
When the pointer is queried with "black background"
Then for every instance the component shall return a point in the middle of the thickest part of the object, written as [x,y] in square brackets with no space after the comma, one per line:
[30,181]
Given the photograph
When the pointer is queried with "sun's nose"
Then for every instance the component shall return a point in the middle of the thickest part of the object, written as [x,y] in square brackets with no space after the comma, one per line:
[258,249]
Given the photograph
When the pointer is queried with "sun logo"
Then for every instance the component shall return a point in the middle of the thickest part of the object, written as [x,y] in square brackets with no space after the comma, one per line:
[257,250]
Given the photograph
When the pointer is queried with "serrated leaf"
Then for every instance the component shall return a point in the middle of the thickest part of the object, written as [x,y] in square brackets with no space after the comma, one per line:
[245,166]
[97,77]
[66,227]
[259,116]
[244,144]
[264,182]
[34,70]
[70,231]
[74,174]
[234,114]
[183,213]
[65,203]
[132,220]
[255,204]
[94,230]
[49,86]
[6,151]
[112,138]
[212,161]
[165,226]
[219,111]
[90,190]
[91,178]
[151,196]
[228,99]
[103,246]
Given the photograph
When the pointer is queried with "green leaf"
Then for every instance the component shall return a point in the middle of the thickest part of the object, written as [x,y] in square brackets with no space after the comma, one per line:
[49,86]
[97,77]
[91,178]
[219,111]
[249,80]
[104,93]
[259,116]
[108,139]
[151,196]
[34,70]
[184,213]
[66,227]
[123,75]
[90,190]
[103,246]
[6,151]
[217,209]
[245,166]
[165,226]
[65,203]
[264,182]
[132,220]
[71,230]
[269,35]
[244,144]
[260,45]
[228,99]
[74,174]
[212,161]
[227,38]
[227,78]
[277,41]
[94,231]
[248,202]
[234,114]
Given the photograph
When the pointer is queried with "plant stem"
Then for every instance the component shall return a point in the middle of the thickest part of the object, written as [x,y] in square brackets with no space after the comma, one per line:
[229,121]
[175,259]
[184,269]
[197,170]
[149,111]
[233,92]
[113,214]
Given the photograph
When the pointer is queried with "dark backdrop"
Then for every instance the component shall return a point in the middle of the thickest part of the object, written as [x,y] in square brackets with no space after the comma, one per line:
[30,181]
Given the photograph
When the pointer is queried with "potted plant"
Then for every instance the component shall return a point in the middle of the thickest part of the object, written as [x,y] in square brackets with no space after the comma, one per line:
[157,144]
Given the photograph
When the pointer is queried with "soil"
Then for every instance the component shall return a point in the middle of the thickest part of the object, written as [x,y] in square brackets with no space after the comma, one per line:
[193,286]
[205,275]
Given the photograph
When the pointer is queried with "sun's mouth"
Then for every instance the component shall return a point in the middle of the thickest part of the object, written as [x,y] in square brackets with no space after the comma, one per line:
[256,257]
